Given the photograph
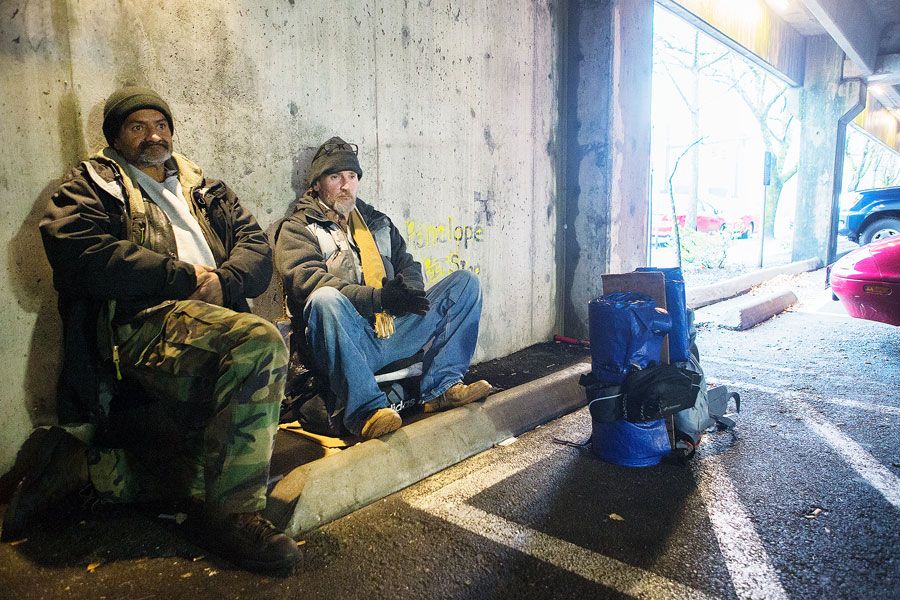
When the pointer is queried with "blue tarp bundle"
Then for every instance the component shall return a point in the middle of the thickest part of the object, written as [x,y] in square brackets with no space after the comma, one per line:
[626,330]
[676,306]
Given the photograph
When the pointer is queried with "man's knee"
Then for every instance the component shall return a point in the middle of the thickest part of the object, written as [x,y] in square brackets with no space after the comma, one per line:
[463,285]
[326,301]
[262,342]
[466,278]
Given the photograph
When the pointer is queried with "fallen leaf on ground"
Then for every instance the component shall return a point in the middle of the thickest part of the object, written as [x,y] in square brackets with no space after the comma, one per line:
[186,575]
[17,542]
[301,542]
[92,567]
[815,512]
[616,517]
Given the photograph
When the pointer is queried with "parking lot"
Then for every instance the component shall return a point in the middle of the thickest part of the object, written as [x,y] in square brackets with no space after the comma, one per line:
[801,501]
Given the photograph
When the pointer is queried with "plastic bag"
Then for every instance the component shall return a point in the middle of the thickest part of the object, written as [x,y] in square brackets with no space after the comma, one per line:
[676,306]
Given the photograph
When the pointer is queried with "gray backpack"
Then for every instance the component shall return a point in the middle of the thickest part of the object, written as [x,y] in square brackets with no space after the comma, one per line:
[711,408]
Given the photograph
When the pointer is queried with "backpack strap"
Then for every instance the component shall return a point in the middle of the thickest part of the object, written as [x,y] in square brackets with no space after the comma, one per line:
[605,402]
[718,399]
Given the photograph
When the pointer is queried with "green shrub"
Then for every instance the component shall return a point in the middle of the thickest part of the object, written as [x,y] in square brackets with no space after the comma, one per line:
[708,250]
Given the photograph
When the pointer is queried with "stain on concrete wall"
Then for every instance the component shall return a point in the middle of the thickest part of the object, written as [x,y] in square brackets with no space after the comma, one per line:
[454,110]
[608,61]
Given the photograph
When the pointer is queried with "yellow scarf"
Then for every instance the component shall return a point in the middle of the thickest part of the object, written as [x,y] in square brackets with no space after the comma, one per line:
[372,267]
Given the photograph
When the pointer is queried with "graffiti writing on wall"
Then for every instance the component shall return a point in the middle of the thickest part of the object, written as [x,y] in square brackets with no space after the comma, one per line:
[444,247]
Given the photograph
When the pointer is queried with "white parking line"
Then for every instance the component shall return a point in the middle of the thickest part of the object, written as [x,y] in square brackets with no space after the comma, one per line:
[600,569]
[798,396]
[744,554]
[856,456]
[752,573]
[752,365]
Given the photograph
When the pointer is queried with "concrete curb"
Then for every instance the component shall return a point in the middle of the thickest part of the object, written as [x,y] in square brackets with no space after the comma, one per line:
[333,486]
[708,294]
[761,309]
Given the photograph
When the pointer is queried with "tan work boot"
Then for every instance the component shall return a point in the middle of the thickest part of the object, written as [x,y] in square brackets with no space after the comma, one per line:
[249,541]
[381,422]
[459,394]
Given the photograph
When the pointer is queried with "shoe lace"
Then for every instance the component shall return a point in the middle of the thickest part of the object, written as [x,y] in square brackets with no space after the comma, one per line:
[258,527]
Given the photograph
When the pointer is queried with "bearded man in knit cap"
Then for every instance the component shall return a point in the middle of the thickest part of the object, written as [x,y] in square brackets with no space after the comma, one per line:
[171,387]
[358,301]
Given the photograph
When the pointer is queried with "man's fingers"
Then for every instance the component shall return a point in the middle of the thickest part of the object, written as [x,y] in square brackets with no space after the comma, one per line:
[421,305]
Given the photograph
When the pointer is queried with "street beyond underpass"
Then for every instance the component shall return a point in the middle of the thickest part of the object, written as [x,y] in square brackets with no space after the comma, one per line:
[801,501]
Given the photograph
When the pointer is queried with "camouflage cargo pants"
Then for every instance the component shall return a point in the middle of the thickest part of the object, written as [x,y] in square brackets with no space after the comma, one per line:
[207,384]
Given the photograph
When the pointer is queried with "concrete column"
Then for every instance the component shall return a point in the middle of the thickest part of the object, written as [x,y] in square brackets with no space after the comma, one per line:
[824,100]
[607,56]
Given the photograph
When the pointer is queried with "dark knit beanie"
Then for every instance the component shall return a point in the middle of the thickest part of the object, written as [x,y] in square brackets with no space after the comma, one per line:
[125,101]
[334,156]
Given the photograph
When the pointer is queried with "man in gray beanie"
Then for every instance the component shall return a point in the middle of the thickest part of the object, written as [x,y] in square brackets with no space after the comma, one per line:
[172,385]
[358,301]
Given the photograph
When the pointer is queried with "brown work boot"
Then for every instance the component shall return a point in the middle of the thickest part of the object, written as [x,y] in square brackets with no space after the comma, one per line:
[459,394]
[52,466]
[249,541]
[381,422]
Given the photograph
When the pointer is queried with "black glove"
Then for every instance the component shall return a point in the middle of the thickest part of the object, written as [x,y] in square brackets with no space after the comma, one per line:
[399,299]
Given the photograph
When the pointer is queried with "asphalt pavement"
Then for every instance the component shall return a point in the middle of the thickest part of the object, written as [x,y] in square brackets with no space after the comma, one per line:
[801,501]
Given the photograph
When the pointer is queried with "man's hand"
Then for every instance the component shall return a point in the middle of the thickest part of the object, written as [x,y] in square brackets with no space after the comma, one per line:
[399,299]
[209,286]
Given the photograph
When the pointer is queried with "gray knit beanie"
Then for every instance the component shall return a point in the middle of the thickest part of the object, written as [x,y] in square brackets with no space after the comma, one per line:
[125,101]
[334,156]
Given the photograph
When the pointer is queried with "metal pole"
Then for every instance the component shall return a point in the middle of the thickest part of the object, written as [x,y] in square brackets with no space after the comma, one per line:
[768,162]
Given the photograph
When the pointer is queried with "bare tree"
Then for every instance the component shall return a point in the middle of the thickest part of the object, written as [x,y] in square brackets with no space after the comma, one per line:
[675,60]
[858,170]
[675,227]
[766,98]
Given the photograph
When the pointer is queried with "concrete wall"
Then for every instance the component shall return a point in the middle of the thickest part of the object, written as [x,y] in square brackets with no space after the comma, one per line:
[608,67]
[452,103]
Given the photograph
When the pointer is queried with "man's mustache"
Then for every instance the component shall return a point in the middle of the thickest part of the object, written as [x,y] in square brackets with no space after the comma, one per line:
[147,145]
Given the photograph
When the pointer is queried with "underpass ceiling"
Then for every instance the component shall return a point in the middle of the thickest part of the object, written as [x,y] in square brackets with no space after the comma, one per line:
[851,24]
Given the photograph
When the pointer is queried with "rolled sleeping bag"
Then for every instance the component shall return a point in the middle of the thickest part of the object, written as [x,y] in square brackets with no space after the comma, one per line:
[626,330]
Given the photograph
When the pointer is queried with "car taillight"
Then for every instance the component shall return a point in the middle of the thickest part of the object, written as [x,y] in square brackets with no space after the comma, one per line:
[881,290]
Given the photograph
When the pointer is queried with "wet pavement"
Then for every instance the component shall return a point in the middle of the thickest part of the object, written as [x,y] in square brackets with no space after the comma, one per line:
[801,501]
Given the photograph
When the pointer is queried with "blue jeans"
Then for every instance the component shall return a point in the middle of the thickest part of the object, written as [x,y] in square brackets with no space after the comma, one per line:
[344,347]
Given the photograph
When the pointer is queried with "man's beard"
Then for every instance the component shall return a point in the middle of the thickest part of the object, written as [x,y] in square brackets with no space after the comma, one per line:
[343,204]
[153,154]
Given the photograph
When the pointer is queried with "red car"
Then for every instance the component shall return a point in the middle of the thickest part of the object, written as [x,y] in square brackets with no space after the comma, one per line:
[867,281]
[709,220]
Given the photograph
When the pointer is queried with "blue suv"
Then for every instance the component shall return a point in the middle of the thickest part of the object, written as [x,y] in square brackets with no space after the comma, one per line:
[875,215]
